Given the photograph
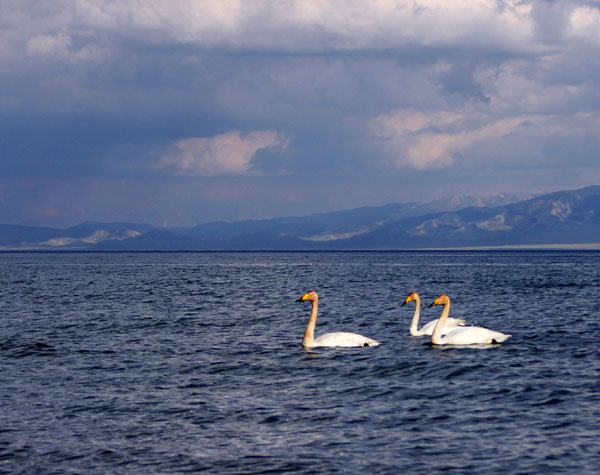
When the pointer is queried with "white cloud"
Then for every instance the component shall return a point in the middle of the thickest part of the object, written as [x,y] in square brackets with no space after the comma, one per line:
[432,140]
[584,23]
[528,86]
[225,154]
[285,25]
[508,23]
[441,139]
[60,46]
[49,45]
[414,138]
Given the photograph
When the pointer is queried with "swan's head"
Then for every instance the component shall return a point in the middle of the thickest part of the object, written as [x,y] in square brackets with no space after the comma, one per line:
[311,295]
[412,297]
[441,300]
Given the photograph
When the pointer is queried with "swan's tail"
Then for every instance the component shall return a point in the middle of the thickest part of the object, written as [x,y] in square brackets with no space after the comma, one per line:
[502,338]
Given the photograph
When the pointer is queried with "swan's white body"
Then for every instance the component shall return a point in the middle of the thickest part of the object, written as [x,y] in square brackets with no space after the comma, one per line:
[462,335]
[329,339]
[451,323]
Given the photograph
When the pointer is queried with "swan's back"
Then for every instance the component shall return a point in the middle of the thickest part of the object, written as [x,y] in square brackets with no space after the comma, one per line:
[451,324]
[345,339]
[473,336]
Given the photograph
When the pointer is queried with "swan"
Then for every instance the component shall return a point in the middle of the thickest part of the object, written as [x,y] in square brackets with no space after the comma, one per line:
[450,324]
[329,339]
[462,335]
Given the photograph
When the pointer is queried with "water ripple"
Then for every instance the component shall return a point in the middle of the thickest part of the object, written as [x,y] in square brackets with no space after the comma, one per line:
[154,363]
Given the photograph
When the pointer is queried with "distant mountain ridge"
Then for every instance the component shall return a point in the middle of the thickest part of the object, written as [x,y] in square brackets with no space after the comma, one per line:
[567,218]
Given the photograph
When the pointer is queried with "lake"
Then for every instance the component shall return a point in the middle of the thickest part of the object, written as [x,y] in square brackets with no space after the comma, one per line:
[192,362]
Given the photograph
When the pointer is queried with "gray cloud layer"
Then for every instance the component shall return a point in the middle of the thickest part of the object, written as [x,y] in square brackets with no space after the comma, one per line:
[182,112]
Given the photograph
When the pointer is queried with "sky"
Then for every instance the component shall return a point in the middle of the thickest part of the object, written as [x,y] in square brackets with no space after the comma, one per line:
[189,111]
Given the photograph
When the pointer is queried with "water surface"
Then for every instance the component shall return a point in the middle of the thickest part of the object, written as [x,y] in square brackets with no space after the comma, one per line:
[174,362]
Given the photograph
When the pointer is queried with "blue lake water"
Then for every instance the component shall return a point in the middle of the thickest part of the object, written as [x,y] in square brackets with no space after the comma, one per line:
[177,362]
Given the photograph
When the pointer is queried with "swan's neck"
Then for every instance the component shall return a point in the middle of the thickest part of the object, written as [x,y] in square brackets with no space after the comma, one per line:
[415,320]
[436,336]
[309,334]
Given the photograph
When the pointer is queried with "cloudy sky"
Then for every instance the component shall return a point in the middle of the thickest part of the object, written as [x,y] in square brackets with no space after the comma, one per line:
[188,111]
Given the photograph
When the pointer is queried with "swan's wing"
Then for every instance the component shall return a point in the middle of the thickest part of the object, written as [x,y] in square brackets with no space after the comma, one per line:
[473,336]
[427,329]
[344,339]
[450,325]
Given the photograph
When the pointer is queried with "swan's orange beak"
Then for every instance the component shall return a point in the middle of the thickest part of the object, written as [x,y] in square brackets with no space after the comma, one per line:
[435,302]
[408,299]
[304,297]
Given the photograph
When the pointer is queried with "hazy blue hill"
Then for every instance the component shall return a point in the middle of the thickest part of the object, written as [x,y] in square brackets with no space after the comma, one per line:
[165,240]
[81,236]
[153,240]
[14,235]
[563,217]
[566,217]
[268,242]
[334,225]
[90,227]
[336,222]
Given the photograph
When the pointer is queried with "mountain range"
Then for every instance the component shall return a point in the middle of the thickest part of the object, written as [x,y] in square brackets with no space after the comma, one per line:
[563,218]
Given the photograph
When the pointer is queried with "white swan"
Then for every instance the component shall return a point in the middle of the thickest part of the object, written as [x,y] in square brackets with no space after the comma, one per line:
[329,339]
[450,324]
[462,335]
